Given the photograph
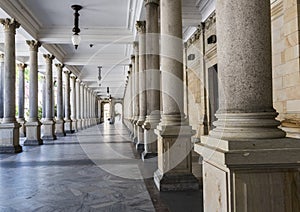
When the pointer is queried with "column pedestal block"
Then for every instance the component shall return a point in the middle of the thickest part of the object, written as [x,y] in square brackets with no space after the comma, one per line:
[68,126]
[22,132]
[250,175]
[150,137]
[174,159]
[140,135]
[135,133]
[9,138]
[33,134]
[79,124]
[60,128]
[74,125]
[48,130]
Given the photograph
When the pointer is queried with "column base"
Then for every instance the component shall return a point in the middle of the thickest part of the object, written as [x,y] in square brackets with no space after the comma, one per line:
[150,138]
[22,122]
[148,155]
[175,181]
[33,134]
[48,130]
[254,175]
[140,139]
[60,128]
[135,134]
[74,125]
[174,158]
[68,127]
[79,124]
[9,138]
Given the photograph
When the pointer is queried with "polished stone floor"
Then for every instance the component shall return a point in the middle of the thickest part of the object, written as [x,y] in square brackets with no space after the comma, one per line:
[96,169]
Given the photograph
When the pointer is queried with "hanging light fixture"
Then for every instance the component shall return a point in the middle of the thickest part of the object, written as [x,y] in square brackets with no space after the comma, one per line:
[99,75]
[76,37]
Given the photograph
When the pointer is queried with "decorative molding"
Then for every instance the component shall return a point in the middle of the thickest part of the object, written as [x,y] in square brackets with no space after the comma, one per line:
[10,24]
[276,9]
[155,2]
[196,36]
[33,45]
[211,53]
[141,26]
[210,21]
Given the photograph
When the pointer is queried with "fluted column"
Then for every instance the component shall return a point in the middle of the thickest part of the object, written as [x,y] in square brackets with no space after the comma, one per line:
[73,104]
[60,123]
[21,99]
[174,135]
[1,85]
[9,129]
[33,124]
[136,90]
[153,78]
[141,28]
[78,104]
[44,97]
[68,121]
[48,121]
[85,107]
[82,107]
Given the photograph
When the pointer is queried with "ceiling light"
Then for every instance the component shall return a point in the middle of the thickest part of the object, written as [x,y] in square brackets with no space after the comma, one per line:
[76,37]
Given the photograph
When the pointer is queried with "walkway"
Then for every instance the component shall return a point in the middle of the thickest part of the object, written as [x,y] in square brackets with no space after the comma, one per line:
[93,170]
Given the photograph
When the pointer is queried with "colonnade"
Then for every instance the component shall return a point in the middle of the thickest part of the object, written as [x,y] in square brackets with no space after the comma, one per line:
[75,110]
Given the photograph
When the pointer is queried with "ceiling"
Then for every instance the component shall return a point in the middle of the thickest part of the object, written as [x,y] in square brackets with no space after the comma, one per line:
[107,32]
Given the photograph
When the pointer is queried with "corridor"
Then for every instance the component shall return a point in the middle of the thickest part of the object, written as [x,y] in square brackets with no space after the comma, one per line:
[96,169]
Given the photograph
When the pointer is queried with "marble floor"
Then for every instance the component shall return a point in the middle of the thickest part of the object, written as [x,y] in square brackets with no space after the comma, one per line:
[96,169]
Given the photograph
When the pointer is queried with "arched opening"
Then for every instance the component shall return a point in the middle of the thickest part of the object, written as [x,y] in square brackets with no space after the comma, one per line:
[118,112]
[106,112]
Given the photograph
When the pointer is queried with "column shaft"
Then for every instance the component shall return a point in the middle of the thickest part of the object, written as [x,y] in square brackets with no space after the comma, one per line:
[1,84]
[73,104]
[21,99]
[68,121]
[78,104]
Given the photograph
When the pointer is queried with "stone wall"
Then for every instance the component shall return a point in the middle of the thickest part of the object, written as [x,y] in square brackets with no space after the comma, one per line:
[286,69]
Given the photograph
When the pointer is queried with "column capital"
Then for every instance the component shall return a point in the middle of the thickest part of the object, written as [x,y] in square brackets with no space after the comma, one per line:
[73,77]
[33,45]
[10,24]
[154,2]
[132,57]
[1,58]
[49,57]
[59,66]
[67,72]
[78,80]
[141,26]
[22,66]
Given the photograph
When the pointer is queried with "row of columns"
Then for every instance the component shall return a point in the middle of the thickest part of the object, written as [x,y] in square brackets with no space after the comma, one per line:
[74,112]
[156,73]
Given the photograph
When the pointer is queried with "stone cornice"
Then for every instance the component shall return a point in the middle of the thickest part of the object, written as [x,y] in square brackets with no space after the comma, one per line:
[196,36]
[141,26]
[33,45]
[210,21]
[10,24]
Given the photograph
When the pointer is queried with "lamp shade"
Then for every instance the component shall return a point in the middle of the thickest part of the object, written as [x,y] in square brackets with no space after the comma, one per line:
[76,40]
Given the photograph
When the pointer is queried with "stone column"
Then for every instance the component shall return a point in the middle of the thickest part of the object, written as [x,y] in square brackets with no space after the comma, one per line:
[21,99]
[141,28]
[248,164]
[78,104]
[174,135]
[73,104]
[60,123]
[9,129]
[136,91]
[33,124]
[85,107]
[1,85]
[44,97]
[153,78]
[82,108]
[48,121]
[68,121]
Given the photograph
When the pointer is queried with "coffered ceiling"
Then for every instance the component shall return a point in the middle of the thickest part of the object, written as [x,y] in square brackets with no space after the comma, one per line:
[107,32]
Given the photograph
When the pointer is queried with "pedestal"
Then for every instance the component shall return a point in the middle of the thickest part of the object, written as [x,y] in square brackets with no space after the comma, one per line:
[48,130]
[255,175]
[68,126]
[74,125]
[140,136]
[9,138]
[33,134]
[60,128]
[22,130]
[150,138]
[174,159]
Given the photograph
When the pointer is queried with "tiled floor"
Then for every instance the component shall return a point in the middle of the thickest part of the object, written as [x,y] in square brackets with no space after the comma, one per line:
[96,169]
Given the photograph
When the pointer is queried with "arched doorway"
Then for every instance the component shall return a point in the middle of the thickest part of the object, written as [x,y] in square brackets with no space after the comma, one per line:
[118,112]
[106,112]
